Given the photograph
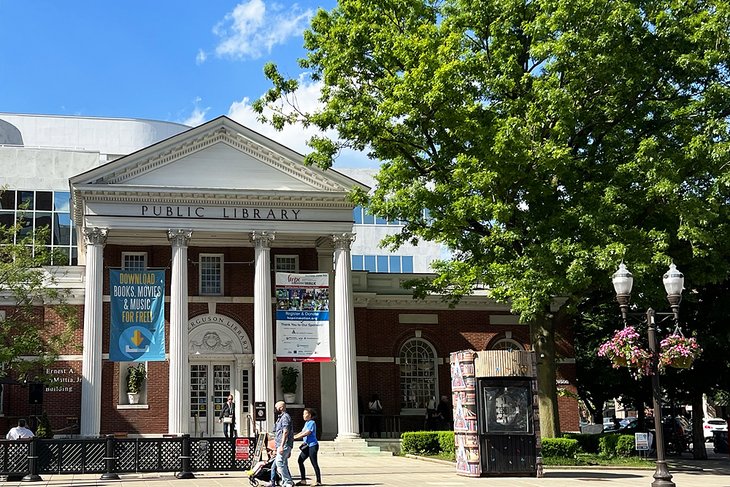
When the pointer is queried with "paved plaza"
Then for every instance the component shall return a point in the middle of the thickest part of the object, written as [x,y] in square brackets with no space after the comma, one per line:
[378,471]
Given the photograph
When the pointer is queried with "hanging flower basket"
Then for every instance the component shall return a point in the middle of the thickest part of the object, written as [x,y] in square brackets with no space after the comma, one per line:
[625,349]
[619,361]
[678,351]
[682,363]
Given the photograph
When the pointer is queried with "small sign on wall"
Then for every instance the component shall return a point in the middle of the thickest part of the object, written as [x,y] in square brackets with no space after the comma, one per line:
[242,445]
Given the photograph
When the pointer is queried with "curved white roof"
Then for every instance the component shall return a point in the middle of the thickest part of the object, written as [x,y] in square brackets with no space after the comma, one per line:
[108,136]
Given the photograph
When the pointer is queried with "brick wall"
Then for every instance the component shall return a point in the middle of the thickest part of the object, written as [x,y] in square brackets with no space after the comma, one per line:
[379,336]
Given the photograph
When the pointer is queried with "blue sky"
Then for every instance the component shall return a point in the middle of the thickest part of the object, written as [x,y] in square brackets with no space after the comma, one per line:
[182,61]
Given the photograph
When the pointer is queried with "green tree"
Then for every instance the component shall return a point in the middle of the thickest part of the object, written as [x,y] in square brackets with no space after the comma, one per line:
[38,324]
[705,314]
[547,140]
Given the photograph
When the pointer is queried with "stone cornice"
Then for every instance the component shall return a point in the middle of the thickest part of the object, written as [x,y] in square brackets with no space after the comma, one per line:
[128,195]
[371,300]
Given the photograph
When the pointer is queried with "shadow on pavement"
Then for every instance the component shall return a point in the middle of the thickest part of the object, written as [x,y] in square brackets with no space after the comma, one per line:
[716,463]
[590,475]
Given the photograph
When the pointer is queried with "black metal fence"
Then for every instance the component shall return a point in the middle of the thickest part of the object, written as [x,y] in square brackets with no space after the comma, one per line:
[109,456]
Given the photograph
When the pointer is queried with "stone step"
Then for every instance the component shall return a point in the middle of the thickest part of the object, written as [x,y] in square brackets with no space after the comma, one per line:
[350,448]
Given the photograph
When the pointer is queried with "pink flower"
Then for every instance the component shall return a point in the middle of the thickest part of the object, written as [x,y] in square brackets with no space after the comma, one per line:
[677,347]
[624,349]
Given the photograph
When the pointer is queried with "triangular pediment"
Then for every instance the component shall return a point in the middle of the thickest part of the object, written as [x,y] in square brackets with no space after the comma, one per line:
[218,155]
[221,166]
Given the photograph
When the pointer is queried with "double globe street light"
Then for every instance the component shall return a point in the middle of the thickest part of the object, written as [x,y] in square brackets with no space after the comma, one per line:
[673,280]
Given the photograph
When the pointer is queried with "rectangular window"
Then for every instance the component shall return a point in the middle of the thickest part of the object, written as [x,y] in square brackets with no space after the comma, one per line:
[43,221]
[382,263]
[25,200]
[134,261]
[357,215]
[44,200]
[286,263]
[245,391]
[407,264]
[394,264]
[61,229]
[211,274]
[370,263]
[7,218]
[357,263]
[7,200]
[61,202]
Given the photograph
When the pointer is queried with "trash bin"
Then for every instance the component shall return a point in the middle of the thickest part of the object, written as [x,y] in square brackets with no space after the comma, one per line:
[719,441]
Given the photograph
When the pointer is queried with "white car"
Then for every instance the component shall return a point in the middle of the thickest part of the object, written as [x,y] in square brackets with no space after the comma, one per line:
[713,424]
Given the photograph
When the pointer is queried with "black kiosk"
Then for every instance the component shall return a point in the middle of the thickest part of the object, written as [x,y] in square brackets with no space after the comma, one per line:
[496,421]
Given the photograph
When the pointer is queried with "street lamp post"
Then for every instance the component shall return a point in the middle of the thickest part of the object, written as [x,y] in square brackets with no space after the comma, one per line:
[673,284]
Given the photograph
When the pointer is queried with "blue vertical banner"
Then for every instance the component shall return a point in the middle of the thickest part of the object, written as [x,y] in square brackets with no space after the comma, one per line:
[137,315]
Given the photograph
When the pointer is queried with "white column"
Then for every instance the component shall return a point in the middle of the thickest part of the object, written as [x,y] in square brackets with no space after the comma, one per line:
[347,421]
[94,238]
[263,340]
[178,393]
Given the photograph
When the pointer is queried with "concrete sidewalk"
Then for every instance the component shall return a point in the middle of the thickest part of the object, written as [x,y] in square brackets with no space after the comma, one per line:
[342,471]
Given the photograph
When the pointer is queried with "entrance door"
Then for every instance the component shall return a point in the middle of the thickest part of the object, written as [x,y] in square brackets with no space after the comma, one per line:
[210,384]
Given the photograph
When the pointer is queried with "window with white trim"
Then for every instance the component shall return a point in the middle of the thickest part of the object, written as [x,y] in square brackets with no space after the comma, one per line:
[506,344]
[134,261]
[125,398]
[211,274]
[286,263]
[418,374]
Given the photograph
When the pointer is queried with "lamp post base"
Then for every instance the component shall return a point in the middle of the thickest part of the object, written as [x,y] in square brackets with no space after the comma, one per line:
[662,477]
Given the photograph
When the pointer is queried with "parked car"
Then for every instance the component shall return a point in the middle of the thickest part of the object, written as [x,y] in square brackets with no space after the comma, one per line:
[713,424]
[628,425]
[610,425]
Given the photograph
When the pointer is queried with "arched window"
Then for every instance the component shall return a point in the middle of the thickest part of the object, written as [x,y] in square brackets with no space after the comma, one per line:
[506,344]
[418,374]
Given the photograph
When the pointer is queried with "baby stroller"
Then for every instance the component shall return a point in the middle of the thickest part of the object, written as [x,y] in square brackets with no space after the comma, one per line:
[261,473]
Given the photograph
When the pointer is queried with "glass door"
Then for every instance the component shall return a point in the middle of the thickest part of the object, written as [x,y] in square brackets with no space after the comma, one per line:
[210,384]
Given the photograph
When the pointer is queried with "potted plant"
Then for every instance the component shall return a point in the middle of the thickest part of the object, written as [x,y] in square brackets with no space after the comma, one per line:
[136,375]
[289,377]
[625,349]
[678,351]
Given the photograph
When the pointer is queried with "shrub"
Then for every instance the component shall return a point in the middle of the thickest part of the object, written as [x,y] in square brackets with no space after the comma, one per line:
[44,429]
[587,443]
[420,442]
[607,445]
[446,441]
[625,446]
[559,447]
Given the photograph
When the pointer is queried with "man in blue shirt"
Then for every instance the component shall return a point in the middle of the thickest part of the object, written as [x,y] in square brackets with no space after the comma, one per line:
[284,441]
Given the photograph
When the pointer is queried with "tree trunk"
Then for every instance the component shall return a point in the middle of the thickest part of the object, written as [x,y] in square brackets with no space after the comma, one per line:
[542,335]
[699,452]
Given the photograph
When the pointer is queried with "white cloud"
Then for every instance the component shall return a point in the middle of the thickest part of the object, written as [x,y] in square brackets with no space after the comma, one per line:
[197,116]
[295,136]
[200,57]
[252,29]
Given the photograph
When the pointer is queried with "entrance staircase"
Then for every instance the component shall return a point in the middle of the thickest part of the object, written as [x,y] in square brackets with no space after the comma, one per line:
[355,447]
